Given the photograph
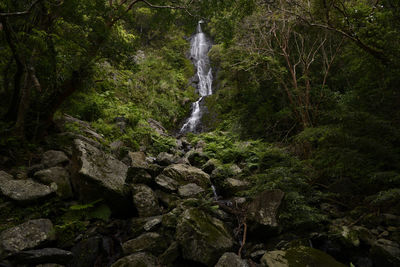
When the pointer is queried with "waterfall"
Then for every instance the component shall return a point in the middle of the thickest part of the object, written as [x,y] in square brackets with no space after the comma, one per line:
[199,47]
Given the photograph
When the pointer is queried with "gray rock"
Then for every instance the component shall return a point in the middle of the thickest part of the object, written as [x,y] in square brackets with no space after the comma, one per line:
[45,255]
[83,126]
[86,252]
[147,242]
[141,225]
[140,259]
[263,210]
[189,190]
[57,175]
[138,159]
[187,174]
[157,126]
[196,157]
[385,253]
[5,177]
[165,159]
[53,158]
[236,185]
[28,235]
[299,256]
[145,201]
[202,237]
[99,175]
[230,259]
[167,183]
[170,254]
[25,191]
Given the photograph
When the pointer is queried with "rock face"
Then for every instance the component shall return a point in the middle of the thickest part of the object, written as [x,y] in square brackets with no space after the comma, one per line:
[230,259]
[99,175]
[145,201]
[263,210]
[25,190]
[187,174]
[53,158]
[299,256]
[202,237]
[59,176]
[25,236]
[140,259]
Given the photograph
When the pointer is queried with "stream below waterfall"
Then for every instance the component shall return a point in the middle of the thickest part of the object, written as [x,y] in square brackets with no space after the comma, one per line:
[200,45]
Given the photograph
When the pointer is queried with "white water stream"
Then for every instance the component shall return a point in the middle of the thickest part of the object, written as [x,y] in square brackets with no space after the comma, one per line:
[200,45]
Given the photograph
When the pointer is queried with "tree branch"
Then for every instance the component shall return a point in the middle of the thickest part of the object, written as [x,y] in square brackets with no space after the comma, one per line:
[21,13]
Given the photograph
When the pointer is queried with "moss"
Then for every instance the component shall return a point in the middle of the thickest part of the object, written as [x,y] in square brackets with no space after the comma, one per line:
[306,256]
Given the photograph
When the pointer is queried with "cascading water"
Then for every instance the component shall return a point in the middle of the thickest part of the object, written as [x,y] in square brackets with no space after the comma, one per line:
[200,45]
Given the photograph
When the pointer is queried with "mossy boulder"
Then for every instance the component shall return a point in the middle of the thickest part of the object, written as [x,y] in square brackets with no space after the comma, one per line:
[202,237]
[185,174]
[140,259]
[145,201]
[147,242]
[230,259]
[58,175]
[299,257]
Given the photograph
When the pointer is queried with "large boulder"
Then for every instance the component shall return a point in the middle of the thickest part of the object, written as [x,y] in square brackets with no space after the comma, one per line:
[230,259]
[167,183]
[140,259]
[202,237]
[25,191]
[385,253]
[59,176]
[28,235]
[99,175]
[165,159]
[185,174]
[147,242]
[145,201]
[53,158]
[262,211]
[190,190]
[299,256]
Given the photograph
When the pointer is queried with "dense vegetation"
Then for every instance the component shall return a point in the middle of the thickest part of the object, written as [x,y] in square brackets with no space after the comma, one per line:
[306,91]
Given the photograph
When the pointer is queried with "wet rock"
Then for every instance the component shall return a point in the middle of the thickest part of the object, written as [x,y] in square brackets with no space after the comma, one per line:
[190,190]
[28,235]
[184,174]
[385,253]
[230,259]
[165,159]
[99,175]
[147,242]
[140,259]
[26,190]
[202,237]
[145,201]
[263,210]
[299,256]
[59,176]
[167,183]
[53,158]
[45,255]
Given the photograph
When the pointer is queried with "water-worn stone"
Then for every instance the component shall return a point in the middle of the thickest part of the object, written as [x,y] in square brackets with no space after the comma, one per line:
[26,190]
[147,242]
[57,175]
[167,183]
[145,201]
[45,255]
[187,174]
[385,253]
[99,175]
[230,259]
[28,235]
[53,158]
[139,259]
[263,210]
[299,256]
[189,190]
[202,238]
